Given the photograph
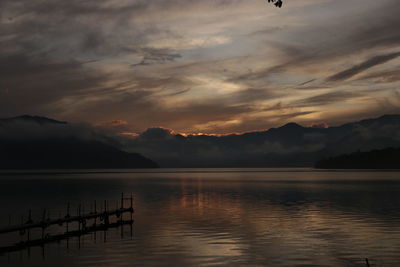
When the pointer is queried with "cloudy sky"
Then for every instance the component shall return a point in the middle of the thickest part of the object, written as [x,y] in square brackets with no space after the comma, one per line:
[210,66]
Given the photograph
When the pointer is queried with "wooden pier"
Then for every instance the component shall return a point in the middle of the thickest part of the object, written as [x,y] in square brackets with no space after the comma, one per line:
[87,223]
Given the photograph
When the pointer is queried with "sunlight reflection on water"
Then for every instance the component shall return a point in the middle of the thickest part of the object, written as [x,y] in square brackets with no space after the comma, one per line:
[232,218]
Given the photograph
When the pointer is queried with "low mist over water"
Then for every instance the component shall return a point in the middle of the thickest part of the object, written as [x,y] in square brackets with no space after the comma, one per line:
[254,217]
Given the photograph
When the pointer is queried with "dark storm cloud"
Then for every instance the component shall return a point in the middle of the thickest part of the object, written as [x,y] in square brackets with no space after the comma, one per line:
[326,99]
[374,61]
[355,36]
[381,28]
[391,76]
[43,59]
[156,56]
[73,59]
[179,92]
[38,68]
[372,29]
[19,65]
[80,29]
[29,84]
[306,82]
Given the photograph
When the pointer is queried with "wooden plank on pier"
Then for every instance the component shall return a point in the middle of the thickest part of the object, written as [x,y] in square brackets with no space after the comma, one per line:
[67,219]
[57,238]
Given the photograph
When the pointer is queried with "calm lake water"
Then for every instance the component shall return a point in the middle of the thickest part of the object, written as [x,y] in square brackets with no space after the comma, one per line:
[215,217]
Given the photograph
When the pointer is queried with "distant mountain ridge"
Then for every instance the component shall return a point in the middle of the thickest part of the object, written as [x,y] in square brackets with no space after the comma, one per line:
[37,119]
[50,144]
[290,145]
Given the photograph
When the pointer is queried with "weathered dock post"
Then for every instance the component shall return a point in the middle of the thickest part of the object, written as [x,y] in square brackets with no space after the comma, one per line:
[131,211]
[109,219]
[106,220]
[79,217]
[121,215]
[122,207]
[83,222]
[67,216]
[131,207]
[95,219]
[22,231]
[29,222]
[43,222]
[95,212]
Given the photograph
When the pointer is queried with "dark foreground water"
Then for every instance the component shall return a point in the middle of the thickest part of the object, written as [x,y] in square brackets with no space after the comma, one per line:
[210,217]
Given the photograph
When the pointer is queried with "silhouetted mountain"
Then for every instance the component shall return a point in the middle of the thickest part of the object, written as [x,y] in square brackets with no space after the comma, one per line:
[67,153]
[291,126]
[290,145]
[49,144]
[388,158]
[29,118]
[32,141]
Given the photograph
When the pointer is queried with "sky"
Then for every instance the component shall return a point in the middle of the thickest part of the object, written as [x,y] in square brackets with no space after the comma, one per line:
[209,66]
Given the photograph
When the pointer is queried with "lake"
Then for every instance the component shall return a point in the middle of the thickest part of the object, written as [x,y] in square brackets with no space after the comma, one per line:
[213,217]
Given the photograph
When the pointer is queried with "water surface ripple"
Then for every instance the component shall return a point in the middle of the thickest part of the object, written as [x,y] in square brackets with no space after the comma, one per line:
[217,217]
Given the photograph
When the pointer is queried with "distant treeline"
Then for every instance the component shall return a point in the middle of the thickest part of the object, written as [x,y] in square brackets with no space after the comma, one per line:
[67,153]
[388,158]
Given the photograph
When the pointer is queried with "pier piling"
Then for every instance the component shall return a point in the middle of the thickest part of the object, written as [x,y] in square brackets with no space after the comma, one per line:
[81,218]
